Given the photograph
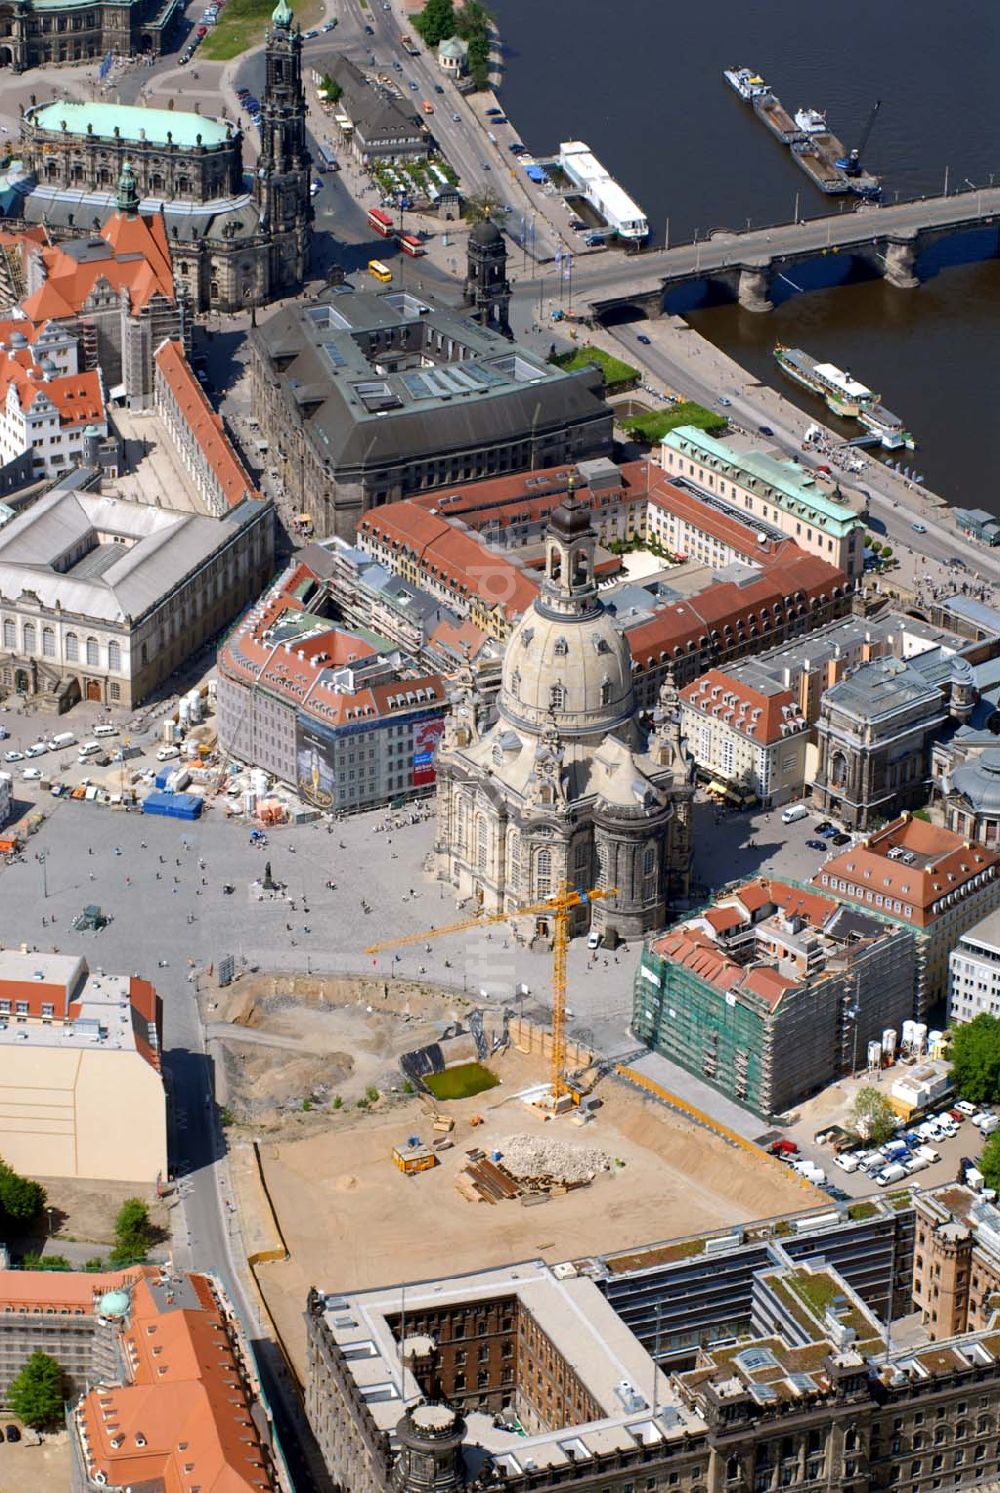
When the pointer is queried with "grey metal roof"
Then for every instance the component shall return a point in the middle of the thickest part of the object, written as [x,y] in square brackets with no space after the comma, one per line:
[882,687]
[478,389]
[983,616]
[160,548]
[376,114]
[979,781]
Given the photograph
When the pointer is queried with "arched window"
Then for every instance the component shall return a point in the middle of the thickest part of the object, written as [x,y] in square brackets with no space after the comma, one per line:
[72,648]
[557,697]
[114,656]
[649,860]
[9,633]
[543,873]
[30,638]
[48,642]
[92,656]
[605,691]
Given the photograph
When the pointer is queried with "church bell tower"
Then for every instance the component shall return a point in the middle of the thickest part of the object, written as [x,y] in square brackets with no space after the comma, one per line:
[281,187]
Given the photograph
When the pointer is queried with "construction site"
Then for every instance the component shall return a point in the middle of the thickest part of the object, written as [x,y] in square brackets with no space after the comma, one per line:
[349,1172]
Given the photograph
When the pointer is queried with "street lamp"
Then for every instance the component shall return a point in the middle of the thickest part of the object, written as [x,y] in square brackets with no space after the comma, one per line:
[45,880]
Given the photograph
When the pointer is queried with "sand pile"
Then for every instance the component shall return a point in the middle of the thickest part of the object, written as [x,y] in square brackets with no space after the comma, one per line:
[537,1157]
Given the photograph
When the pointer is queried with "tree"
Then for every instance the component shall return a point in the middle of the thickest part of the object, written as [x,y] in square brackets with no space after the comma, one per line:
[132,1237]
[975,1060]
[21,1200]
[45,1262]
[436,22]
[989,1161]
[332,89]
[481,205]
[873,1118]
[36,1395]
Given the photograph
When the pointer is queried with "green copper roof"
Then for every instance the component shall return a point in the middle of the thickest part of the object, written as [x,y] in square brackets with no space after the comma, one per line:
[792,487]
[281,15]
[129,119]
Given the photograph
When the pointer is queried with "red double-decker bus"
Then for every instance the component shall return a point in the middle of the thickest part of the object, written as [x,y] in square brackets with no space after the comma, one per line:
[411,245]
[381,223]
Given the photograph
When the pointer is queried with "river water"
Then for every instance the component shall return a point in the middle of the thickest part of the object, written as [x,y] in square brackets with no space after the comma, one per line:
[641,82]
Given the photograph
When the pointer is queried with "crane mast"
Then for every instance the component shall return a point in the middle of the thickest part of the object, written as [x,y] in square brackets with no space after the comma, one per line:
[559,907]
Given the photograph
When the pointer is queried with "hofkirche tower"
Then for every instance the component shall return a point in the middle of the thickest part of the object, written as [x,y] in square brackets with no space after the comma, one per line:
[281,185]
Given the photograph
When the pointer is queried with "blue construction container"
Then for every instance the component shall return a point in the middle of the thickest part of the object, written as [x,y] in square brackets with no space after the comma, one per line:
[173,805]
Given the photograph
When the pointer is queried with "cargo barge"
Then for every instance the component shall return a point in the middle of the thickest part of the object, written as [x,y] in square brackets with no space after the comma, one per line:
[844,396]
[814,147]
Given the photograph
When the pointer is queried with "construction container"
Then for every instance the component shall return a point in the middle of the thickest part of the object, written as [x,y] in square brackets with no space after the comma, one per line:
[173,805]
[413,1158]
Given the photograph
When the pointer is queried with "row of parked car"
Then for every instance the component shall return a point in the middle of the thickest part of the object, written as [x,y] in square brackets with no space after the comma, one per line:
[911,1151]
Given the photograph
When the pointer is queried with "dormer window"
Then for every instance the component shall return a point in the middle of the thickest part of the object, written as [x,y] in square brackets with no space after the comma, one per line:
[561,648]
[557,697]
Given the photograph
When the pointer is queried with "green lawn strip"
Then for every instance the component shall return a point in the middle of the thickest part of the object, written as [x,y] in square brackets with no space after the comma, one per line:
[653,425]
[242,25]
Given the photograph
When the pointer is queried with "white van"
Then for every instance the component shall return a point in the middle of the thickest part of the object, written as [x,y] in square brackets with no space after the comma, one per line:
[63,739]
[89,749]
[987,1122]
[890,1174]
[105,730]
[847,1161]
[795,813]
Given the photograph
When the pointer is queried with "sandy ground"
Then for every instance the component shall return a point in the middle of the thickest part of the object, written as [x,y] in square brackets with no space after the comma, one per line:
[43,1469]
[351,1219]
[89,1208]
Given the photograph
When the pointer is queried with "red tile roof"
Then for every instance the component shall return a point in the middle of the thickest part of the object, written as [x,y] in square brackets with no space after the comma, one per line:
[762,718]
[449,556]
[184,1417]
[205,425]
[744,538]
[140,263]
[78,397]
[680,626]
[944,865]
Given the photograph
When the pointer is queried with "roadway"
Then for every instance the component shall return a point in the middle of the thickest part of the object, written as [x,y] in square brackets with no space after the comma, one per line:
[841,230]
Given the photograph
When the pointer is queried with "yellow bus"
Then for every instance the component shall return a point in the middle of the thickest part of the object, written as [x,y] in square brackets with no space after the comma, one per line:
[379,271]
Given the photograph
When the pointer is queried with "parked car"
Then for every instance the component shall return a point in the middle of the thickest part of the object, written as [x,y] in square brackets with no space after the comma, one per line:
[847,1161]
[837,1193]
[13,756]
[890,1174]
[967,1109]
[32,774]
[11,1433]
[840,839]
[38,749]
[817,845]
[826,828]
[167,753]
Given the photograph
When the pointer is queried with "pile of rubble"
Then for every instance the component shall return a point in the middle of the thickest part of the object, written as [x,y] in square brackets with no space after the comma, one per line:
[541,1160]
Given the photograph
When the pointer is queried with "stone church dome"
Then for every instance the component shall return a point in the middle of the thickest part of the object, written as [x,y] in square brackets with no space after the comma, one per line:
[566,664]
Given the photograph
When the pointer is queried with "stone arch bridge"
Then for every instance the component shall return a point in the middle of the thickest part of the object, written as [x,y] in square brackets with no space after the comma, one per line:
[887,240]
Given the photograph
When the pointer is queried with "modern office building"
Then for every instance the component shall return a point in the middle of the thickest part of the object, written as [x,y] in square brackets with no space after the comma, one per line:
[926,878]
[337,712]
[369,398]
[974,972]
[772,992]
[102,599]
[81,1081]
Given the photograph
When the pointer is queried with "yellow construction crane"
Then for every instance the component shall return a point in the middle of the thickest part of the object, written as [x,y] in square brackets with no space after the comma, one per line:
[560,906]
